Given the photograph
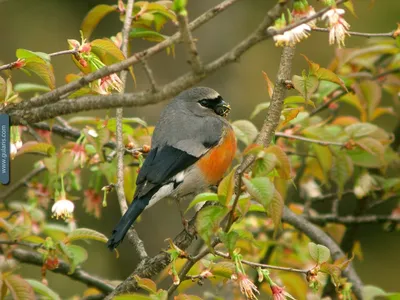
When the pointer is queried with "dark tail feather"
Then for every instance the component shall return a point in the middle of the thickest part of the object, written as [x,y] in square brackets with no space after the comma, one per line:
[130,216]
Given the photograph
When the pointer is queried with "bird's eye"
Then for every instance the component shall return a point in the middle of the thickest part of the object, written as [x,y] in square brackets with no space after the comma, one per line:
[206,103]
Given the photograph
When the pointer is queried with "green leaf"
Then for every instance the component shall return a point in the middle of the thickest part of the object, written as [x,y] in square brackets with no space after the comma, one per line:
[37,63]
[226,187]
[30,87]
[223,269]
[202,198]
[354,101]
[264,164]
[86,234]
[305,85]
[371,92]
[43,290]
[261,189]
[324,156]
[370,292]
[297,100]
[245,131]
[275,208]
[133,297]
[370,155]
[229,239]
[358,130]
[208,220]
[147,34]
[107,51]
[19,288]
[78,256]
[283,166]
[94,16]
[341,171]
[36,147]
[319,253]
[259,108]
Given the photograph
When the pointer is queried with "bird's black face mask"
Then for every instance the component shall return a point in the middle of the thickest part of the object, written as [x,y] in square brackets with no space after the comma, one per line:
[218,105]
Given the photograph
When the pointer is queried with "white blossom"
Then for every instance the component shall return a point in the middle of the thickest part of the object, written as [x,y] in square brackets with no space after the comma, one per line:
[63,208]
[338,27]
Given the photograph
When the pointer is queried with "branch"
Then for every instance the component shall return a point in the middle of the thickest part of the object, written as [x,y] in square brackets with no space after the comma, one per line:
[263,266]
[14,63]
[55,95]
[300,138]
[352,220]
[320,237]
[327,103]
[150,76]
[363,34]
[33,258]
[22,181]
[132,235]
[194,59]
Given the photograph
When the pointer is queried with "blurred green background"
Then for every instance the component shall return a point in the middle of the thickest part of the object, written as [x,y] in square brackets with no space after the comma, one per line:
[45,25]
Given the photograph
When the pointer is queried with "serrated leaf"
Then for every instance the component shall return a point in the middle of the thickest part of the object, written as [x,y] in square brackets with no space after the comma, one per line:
[35,62]
[264,164]
[305,85]
[94,16]
[354,101]
[30,87]
[19,288]
[319,253]
[223,269]
[261,189]
[134,296]
[86,234]
[229,239]
[259,108]
[275,208]
[43,290]
[226,187]
[270,85]
[283,168]
[36,147]
[78,256]
[324,156]
[245,131]
[297,100]
[341,171]
[208,220]
[107,51]
[373,147]
[202,198]
[147,34]
[360,129]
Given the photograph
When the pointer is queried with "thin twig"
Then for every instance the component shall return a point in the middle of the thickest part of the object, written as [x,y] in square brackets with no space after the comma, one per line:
[351,220]
[21,243]
[22,181]
[263,266]
[150,76]
[300,138]
[11,65]
[132,235]
[362,34]
[327,103]
[273,31]
[193,56]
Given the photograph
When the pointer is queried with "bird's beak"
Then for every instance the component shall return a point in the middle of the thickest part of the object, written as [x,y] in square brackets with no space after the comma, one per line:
[222,108]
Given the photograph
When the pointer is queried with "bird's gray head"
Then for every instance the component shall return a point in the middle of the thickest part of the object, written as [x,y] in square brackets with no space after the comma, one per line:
[203,101]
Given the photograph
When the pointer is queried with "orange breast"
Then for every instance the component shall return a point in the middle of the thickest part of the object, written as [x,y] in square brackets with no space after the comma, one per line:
[215,163]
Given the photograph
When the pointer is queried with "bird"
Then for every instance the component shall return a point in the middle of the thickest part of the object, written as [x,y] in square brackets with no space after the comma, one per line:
[192,146]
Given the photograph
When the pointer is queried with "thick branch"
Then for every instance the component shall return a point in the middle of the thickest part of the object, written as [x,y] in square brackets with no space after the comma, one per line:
[33,258]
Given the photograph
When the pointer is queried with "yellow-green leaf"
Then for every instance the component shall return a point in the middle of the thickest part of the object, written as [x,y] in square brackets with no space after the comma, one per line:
[36,147]
[202,198]
[19,288]
[86,234]
[94,16]
[319,253]
[226,187]
[245,131]
[261,189]
[283,167]
[305,85]
[208,220]
[275,208]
